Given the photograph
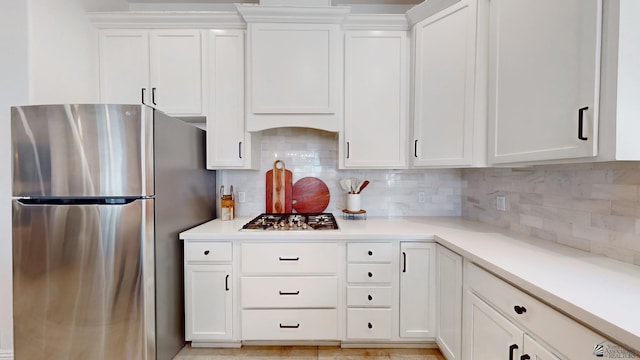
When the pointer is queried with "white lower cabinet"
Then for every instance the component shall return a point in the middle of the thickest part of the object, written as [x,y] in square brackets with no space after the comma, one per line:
[369,324]
[417,290]
[449,302]
[290,324]
[208,303]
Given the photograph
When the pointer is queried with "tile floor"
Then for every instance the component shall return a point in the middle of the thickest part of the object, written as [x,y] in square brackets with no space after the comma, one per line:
[306,353]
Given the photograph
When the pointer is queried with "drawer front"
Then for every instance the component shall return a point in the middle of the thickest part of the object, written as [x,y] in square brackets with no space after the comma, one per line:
[290,324]
[208,251]
[369,252]
[311,258]
[289,292]
[369,323]
[369,273]
[561,332]
[369,296]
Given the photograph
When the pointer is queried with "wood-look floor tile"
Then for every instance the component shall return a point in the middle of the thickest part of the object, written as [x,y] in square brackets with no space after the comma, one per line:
[335,353]
[249,352]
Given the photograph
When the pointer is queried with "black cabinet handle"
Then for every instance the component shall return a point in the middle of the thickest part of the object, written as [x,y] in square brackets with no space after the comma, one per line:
[404,261]
[289,293]
[143,90]
[289,259]
[370,253]
[370,325]
[240,149]
[519,309]
[511,349]
[289,326]
[370,274]
[226,283]
[370,297]
[415,148]
[580,122]
[153,96]
[525,357]
[206,252]
[347,149]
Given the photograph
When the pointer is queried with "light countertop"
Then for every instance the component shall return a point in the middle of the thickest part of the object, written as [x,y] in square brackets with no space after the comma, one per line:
[602,293]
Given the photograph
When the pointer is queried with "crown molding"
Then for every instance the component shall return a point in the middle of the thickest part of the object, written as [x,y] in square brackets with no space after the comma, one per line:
[253,13]
[388,22]
[427,8]
[167,20]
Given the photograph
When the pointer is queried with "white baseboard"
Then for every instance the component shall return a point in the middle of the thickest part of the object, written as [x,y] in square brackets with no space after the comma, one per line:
[6,354]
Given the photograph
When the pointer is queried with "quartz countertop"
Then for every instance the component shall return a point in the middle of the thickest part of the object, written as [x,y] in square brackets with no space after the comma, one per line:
[602,293]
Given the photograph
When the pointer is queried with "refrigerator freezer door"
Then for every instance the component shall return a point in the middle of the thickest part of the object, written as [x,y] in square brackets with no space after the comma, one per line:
[82,150]
[83,281]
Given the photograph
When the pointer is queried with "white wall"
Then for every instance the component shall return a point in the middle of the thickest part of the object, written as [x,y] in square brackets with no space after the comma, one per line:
[13,90]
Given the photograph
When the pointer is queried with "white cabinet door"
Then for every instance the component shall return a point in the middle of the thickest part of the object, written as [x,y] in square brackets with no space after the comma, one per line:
[417,290]
[228,144]
[208,302]
[445,95]
[544,79]
[487,334]
[375,100]
[176,71]
[535,351]
[124,66]
[449,302]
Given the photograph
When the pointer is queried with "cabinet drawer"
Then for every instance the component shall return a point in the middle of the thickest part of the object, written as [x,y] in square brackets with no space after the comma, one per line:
[558,330]
[208,251]
[369,296]
[290,324]
[369,252]
[289,292]
[312,258]
[369,273]
[369,323]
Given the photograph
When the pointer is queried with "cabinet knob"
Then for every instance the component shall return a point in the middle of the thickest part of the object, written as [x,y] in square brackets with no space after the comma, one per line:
[520,309]
[370,253]
[370,326]
[206,252]
[370,297]
[370,274]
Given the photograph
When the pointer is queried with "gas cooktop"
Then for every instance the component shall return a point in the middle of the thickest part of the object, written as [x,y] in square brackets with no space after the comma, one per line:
[292,222]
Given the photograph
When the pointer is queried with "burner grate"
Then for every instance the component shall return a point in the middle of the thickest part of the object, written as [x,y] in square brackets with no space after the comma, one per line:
[292,222]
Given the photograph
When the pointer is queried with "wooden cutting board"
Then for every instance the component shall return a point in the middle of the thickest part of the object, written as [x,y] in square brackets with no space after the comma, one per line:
[310,195]
[279,189]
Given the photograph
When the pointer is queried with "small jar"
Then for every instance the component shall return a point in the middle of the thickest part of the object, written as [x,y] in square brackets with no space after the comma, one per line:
[227,205]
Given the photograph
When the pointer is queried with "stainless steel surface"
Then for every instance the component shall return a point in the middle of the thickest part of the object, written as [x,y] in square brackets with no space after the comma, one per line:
[93,280]
[82,150]
[292,222]
[78,281]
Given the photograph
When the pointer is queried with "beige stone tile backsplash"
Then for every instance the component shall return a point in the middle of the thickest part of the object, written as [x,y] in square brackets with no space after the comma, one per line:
[591,206]
[310,152]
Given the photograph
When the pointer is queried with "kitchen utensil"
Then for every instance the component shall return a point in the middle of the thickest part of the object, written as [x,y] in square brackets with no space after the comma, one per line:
[343,185]
[362,186]
[310,195]
[278,189]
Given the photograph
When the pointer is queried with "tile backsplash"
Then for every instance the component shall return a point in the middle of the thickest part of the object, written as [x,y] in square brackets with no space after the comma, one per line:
[591,206]
[311,152]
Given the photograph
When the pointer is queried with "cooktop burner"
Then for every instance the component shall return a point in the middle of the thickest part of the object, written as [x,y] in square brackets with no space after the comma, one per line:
[292,222]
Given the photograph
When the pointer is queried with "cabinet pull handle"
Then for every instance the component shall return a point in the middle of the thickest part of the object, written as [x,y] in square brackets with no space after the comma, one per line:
[580,122]
[226,283]
[240,149]
[370,274]
[206,252]
[370,297]
[143,90]
[512,347]
[415,148]
[347,149]
[525,357]
[404,261]
[370,325]
[289,293]
[370,253]
[520,309]
[153,96]
[289,259]
[289,326]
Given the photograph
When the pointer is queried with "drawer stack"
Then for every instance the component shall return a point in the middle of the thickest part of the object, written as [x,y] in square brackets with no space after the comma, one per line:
[289,291]
[369,291]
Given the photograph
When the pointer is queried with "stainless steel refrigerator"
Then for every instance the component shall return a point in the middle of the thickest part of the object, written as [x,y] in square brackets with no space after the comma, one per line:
[100,193]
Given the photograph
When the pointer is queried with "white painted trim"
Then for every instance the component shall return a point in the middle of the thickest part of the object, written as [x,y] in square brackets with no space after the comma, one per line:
[6,354]
[386,22]
[167,20]
[302,15]
[426,9]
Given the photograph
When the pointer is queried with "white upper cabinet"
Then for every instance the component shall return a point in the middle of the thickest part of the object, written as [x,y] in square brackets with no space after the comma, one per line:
[293,66]
[375,82]
[160,68]
[228,144]
[449,121]
[544,79]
